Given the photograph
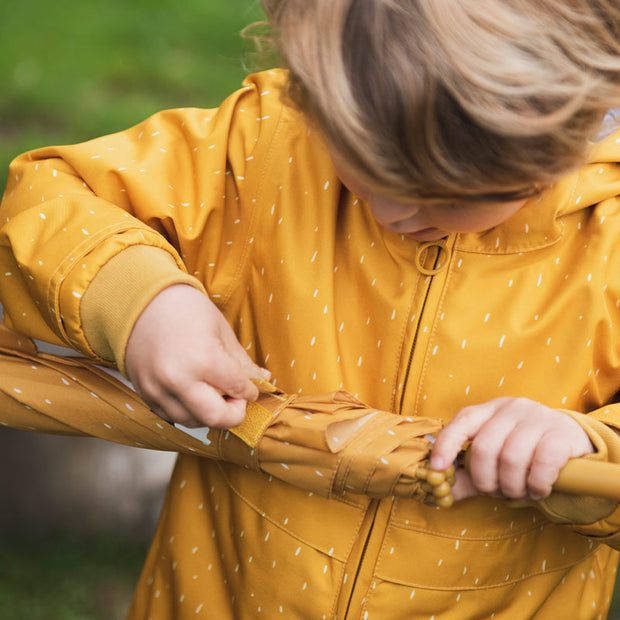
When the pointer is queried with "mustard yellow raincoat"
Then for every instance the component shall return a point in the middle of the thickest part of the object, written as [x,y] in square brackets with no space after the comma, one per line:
[244,201]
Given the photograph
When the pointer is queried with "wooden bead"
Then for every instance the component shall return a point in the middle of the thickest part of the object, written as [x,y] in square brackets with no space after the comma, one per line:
[442,490]
[435,478]
[445,502]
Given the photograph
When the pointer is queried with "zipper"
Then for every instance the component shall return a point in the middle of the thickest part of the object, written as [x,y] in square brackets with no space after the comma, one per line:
[438,264]
[374,506]
[429,274]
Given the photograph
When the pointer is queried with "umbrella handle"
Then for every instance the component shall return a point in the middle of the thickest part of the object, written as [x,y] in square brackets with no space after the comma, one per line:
[582,476]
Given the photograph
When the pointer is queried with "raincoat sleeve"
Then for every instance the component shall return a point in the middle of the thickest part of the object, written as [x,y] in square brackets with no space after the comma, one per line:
[91,233]
[594,517]
[599,518]
[154,204]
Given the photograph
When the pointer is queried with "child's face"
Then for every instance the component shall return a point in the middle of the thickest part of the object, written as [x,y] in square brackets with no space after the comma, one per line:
[429,220]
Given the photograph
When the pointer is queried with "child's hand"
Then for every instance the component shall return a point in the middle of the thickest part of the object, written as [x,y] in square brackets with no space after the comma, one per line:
[185,361]
[518,447]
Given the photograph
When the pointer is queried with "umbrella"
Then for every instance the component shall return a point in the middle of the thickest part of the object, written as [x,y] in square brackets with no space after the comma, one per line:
[328,444]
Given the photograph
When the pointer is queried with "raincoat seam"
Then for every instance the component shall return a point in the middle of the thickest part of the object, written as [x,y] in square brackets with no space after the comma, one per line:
[477,588]
[403,341]
[563,212]
[256,219]
[69,262]
[267,517]
[486,538]
[520,250]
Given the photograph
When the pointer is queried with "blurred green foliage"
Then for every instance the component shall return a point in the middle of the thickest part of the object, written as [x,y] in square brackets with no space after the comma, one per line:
[67,577]
[71,70]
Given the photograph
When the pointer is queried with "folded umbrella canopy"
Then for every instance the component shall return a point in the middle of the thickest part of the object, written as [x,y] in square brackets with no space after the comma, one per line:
[327,444]
[332,443]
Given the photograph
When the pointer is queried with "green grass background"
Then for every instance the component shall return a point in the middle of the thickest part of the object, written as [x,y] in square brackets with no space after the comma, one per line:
[68,576]
[71,70]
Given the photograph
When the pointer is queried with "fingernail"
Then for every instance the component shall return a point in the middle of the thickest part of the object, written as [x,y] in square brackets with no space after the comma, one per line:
[266,374]
[253,372]
[437,463]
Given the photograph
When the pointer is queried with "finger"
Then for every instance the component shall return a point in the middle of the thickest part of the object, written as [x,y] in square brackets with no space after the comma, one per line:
[254,372]
[547,461]
[485,453]
[225,372]
[171,410]
[206,407]
[515,461]
[194,404]
[463,427]
[234,347]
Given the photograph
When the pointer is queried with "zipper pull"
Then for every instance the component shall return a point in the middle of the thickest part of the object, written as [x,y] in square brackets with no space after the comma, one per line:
[441,261]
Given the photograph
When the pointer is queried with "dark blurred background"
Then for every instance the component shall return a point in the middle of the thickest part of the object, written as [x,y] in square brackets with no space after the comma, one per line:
[76,515]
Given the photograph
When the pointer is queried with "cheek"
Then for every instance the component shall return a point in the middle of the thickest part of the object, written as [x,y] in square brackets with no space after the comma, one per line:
[387,211]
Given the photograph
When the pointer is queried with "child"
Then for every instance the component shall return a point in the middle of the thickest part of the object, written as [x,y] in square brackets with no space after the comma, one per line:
[416,213]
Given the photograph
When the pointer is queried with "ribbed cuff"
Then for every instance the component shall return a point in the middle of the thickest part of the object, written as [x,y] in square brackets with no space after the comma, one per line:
[564,508]
[120,291]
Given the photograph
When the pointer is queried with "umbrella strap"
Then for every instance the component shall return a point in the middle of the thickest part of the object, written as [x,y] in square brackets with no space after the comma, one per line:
[258,417]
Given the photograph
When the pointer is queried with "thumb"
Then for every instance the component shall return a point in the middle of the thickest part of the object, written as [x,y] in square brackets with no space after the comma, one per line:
[250,369]
[464,486]
[253,371]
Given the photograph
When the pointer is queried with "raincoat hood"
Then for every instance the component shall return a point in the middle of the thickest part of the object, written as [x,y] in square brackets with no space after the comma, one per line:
[539,223]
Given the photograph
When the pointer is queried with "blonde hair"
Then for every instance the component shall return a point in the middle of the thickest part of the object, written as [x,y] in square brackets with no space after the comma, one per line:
[452,98]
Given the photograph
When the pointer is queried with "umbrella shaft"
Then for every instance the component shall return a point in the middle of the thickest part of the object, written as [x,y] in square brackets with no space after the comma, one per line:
[585,477]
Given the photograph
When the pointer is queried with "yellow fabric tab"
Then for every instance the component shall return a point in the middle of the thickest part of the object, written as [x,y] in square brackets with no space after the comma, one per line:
[256,420]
